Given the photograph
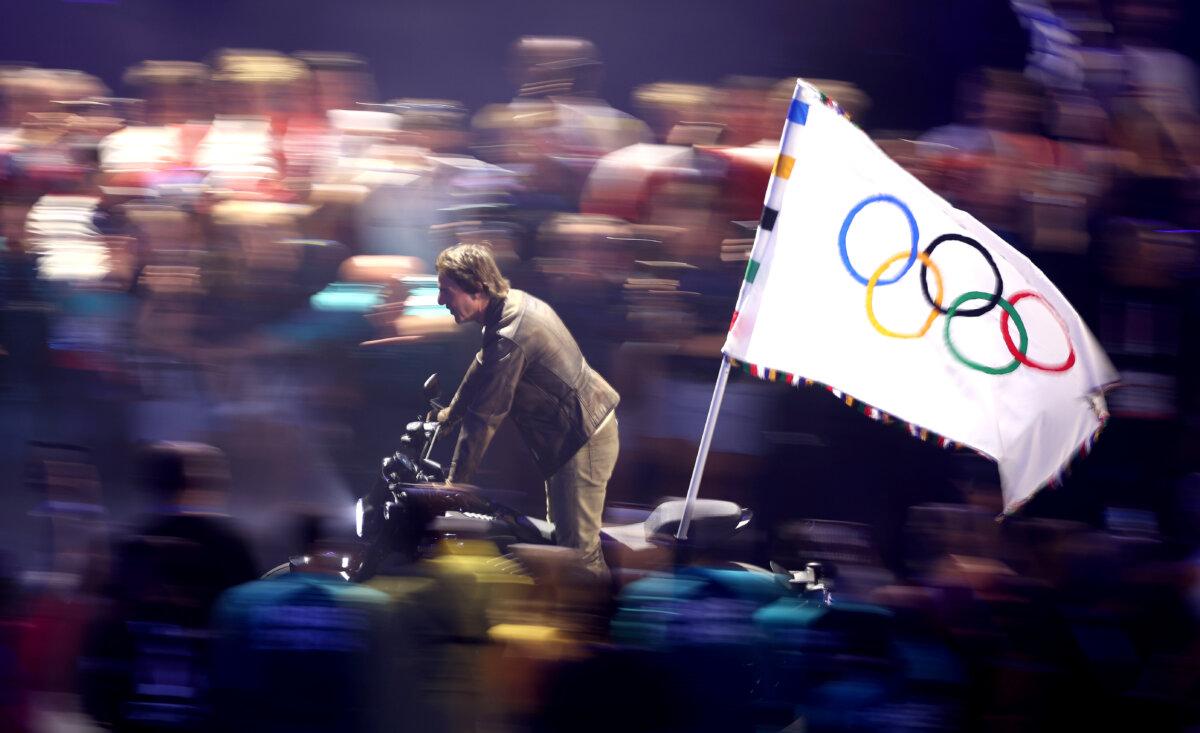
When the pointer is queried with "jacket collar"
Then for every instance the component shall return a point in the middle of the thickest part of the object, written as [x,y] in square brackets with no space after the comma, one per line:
[491,316]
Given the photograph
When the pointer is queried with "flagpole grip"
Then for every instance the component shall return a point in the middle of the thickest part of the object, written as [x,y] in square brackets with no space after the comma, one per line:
[710,424]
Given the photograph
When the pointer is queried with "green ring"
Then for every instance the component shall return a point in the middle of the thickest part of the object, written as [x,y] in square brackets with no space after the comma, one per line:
[1012,313]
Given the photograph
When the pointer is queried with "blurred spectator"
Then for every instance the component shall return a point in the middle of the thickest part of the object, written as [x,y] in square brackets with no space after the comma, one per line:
[146,664]
[752,109]
[257,95]
[261,83]
[262,240]
[153,156]
[51,148]
[340,80]
[189,483]
[436,125]
[1159,113]
[336,81]
[28,92]
[26,319]
[415,193]
[59,597]
[175,92]
[557,122]
[306,651]
[628,182]
[666,105]
[21,95]
[581,268]
[1000,151]
[1054,57]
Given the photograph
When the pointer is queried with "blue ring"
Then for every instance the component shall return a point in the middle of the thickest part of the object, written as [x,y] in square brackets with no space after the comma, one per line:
[912,225]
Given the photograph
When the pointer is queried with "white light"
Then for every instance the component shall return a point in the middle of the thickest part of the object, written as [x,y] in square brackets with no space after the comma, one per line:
[358,517]
[345,562]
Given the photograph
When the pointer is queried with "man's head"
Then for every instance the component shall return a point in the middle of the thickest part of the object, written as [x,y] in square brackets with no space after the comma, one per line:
[468,281]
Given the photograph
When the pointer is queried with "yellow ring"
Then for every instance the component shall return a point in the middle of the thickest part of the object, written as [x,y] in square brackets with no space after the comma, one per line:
[933,314]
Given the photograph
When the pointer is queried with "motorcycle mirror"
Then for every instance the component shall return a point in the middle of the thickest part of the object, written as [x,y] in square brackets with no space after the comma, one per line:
[432,389]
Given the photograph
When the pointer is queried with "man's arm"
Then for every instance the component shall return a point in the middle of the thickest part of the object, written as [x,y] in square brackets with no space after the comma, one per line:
[452,414]
[482,402]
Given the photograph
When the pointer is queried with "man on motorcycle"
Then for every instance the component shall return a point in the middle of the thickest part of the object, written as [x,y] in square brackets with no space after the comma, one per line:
[531,369]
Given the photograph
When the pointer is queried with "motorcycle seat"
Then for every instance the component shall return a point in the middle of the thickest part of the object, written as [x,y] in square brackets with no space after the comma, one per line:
[713,520]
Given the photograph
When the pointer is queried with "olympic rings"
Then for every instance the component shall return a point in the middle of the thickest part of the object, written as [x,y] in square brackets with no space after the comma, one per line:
[1010,310]
[996,294]
[912,226]
[933,314]
[993,299]
[1019,354]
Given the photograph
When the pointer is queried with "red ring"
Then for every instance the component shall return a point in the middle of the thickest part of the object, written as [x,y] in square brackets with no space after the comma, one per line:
[1012,348]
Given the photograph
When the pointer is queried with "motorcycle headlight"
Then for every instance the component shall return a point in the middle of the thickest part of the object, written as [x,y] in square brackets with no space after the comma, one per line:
[359,512]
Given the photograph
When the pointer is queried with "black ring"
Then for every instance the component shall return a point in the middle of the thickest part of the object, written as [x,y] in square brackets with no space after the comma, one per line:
[967,312]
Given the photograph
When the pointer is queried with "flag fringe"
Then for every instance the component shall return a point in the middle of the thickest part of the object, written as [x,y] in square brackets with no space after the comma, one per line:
[923,434]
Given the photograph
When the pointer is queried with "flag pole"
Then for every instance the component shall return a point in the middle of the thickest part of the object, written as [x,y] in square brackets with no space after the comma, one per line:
[762,233]
[710,424]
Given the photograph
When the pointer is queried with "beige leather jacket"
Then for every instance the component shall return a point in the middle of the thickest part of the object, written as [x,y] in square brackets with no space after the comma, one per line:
[529,369]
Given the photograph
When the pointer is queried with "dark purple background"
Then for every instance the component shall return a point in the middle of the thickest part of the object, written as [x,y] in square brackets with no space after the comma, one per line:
[906,55]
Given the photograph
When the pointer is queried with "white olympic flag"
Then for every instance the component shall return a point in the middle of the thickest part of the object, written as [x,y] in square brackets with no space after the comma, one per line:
[863,280]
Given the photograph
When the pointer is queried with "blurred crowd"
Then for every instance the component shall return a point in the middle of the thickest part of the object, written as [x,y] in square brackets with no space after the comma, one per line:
[241,256]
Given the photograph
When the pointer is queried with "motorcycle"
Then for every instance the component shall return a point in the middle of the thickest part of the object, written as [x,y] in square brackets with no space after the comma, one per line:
[410,508]
[744,634]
